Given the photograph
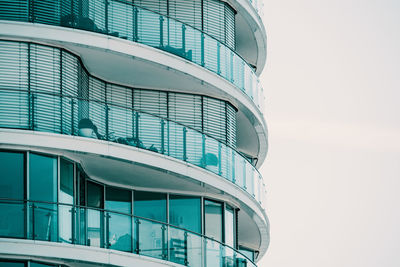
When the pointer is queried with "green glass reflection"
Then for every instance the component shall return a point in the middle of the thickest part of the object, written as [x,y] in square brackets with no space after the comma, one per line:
[12,175]
[185,212]
[42,178]
[43,187]
[150,205]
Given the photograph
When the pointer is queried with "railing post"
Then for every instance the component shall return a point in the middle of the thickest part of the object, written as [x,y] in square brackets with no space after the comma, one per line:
[31,14]
[106,15]
[219,158]
[137,115]
[231,63]
[184,39]
[202,50]
[162,136]
[33,222]
[161,31]
[107,229]
[107,123]
[73,234]
[135,24]
[72,117]
[184,144]
[186,262]
[137,223]
[164,249]
[244,173]
[203,151]
[218,58]
[233,167]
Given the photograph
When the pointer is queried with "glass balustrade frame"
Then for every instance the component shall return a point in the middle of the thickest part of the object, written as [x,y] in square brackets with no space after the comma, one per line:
[130,127]
[139,26]
[81,225]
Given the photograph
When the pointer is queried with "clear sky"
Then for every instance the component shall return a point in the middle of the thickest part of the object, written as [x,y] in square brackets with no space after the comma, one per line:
[332,87]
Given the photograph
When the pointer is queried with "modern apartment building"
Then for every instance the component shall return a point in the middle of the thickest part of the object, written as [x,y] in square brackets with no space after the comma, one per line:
[131,133]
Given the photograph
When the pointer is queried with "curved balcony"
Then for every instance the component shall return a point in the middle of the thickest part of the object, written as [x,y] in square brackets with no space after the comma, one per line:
[62,114]
[73,224]
[127,21]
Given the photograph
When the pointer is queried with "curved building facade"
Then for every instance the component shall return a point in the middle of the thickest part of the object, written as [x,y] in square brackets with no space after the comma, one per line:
[131,133]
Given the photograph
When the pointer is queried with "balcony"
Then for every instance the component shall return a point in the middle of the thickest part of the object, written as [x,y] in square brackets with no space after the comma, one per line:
[80,225]
[62,114]
[127,21]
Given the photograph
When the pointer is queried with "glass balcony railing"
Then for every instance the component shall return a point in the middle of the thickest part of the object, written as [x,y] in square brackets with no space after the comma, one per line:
[57,222]
[124,20]
[62,114]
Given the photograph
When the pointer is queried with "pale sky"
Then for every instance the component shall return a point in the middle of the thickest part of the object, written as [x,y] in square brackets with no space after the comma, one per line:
[332,88]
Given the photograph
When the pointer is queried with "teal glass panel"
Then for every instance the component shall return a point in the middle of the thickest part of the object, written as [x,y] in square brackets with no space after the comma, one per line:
[246,252]
[12,219]
[4,263]
[65,212]
[194,250]
[185,212]
[152,239]
[213,253]
[42,178]
[229,257]
[95,228]
[150,205]
[12,175]
[38,264]
[213,219]
[178,244]
[43,221]
[119,227]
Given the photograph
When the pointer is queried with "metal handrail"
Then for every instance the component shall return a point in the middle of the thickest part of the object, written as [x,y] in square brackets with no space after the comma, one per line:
[168,225]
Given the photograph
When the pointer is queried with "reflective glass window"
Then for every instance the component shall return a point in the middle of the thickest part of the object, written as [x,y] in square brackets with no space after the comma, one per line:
[229,226]
[12,175]
[150,205]
[185,212]
[118,199]
[95,219]
[42,178]
[43,187]
[95,195]
[119,226]
[213,219]
[67,197]
[11,264]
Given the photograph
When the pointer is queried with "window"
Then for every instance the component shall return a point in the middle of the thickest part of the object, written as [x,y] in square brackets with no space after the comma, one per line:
[43,188]
[185,212]
[67,197]
[119,225]
[213,219]
[12,175]
[151,205]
